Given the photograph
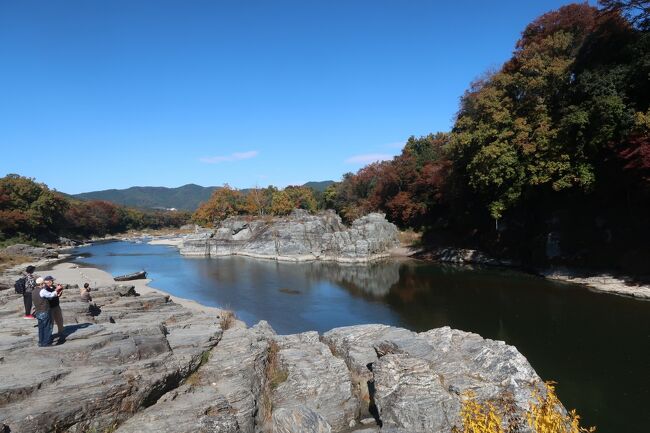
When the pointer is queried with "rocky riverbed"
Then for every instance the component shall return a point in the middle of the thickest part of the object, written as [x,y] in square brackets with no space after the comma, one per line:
[140,362]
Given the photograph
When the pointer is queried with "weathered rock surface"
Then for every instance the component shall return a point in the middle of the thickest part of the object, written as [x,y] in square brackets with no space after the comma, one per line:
[299,420]
[222,396]
[104,372]
[30,251]
[145,364]
[314,379]
[418,378]
[298,237]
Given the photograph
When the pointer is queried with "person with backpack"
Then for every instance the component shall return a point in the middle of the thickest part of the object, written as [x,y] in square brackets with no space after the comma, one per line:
[25,286]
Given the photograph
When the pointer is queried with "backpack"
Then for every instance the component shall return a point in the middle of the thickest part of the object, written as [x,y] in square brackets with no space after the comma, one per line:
[30,283]
[19,285]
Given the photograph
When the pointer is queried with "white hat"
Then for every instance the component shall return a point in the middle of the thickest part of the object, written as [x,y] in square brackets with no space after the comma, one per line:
[39,280]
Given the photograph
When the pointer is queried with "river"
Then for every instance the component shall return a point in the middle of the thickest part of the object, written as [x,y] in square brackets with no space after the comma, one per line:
[595,345]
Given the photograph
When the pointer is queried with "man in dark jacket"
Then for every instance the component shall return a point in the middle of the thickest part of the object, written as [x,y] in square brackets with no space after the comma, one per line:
[41,300]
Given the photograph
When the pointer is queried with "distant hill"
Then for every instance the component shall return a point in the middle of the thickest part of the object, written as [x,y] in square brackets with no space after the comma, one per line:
[319,186]
[186,197]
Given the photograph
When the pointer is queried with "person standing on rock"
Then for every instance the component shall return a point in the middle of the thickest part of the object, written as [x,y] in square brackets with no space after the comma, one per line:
[30,284]
[41,299]
[55,308]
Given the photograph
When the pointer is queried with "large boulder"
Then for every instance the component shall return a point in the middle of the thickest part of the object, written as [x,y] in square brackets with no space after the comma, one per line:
[220,397]
[298,237]
[416,381]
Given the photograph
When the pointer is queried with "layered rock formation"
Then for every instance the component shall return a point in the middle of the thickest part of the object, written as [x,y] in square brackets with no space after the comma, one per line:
[145,364]
[298,237]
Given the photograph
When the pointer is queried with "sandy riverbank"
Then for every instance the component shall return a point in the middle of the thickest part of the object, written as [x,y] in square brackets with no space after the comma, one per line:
[70,273]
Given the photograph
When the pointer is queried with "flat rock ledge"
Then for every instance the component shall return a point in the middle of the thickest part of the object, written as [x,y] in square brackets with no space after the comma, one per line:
[297,237]
[134,363]
[602,282]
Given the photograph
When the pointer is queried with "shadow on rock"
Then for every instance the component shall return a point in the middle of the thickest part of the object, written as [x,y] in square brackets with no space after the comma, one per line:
[71,329]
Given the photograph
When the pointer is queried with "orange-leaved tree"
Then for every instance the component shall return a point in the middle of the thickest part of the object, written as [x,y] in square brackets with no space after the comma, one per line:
[224,202]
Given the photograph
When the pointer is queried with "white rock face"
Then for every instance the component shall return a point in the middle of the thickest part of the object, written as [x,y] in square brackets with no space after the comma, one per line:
[298,237]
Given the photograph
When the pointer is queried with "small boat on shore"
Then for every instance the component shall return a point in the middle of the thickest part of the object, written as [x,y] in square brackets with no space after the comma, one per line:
[134,276]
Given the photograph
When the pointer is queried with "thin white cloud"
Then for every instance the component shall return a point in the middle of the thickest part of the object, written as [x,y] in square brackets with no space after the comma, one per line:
[237,156]
[395,145]
[368,158]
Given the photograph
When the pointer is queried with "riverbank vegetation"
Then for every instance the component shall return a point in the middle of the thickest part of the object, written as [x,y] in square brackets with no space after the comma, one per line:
[548,159]
[227,201]
[31,212]
[549,156]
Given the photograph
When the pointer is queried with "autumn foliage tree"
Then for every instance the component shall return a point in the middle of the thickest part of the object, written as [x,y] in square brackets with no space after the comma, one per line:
[224,202]
[409,188]
[301,197]
[561,129]
[31,211]
[28,208]
[258,201]
[96,217]
[281,203]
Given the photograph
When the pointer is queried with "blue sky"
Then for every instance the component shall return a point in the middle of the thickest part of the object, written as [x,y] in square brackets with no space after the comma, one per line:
[112,94]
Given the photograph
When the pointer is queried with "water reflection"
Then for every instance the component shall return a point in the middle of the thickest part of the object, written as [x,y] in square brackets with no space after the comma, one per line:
[372,280]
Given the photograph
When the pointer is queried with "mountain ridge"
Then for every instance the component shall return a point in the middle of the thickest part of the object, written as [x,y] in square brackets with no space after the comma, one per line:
[185,197]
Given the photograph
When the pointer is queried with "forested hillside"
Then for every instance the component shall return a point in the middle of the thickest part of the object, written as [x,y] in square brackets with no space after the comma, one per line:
[186,197]
[549,156]
[30,211]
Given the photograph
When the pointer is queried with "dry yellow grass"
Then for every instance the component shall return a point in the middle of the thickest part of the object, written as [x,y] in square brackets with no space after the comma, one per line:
[478,417]
[227,319]
[408,238]
[9,260]
[275,375]
[544,416]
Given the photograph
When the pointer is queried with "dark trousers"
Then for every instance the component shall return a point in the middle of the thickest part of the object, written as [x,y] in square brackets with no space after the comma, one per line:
[44,328]
[27,300]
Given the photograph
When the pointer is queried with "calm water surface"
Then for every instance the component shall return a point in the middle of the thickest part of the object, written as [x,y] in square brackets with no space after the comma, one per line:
[596,346]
